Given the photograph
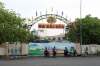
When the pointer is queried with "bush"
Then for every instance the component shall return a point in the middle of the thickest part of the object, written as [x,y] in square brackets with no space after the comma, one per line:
[97,52]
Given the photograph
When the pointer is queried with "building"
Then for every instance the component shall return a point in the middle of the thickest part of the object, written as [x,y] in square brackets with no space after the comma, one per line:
[54,38]
[43,35]
[40,32]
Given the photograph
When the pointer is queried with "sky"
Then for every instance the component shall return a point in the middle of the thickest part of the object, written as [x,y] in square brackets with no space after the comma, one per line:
[71,8]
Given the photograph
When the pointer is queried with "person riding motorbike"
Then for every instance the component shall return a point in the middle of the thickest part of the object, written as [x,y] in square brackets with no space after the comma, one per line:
[71,52]
[65,51]
[75,53]
[46,52]
[86,51]
[54,51]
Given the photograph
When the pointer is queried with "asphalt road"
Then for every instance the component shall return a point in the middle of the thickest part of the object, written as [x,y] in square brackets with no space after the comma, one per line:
[59,61]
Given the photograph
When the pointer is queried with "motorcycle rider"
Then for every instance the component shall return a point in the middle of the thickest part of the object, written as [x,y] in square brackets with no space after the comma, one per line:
[75,52]
[54,50]
[65,51]
[71,52]
[86,50]
[46,51]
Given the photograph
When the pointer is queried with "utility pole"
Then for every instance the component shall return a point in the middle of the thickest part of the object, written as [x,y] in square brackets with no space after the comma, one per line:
[81,24]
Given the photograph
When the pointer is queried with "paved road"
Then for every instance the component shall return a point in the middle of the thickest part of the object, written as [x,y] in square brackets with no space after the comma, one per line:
[59,61]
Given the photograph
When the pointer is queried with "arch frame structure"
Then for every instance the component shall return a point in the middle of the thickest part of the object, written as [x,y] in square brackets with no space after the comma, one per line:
[47,16]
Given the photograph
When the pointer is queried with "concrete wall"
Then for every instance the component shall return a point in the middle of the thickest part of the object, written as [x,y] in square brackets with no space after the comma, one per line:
[83,48]
[98,47]
[2,51]
[78,49]
[26,48]
[14,48]
[93,45]
[22,49]
[8,49]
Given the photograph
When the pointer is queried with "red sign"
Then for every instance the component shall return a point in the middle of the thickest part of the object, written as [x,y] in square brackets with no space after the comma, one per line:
[60,26]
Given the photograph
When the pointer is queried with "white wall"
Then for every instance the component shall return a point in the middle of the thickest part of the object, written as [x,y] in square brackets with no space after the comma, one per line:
[83,48]
[2,51]
[98,47]
[26,48]
[13,47]
[42,34]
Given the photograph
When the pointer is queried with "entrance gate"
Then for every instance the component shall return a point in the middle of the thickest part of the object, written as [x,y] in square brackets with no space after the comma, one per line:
[38,48]
[51,19]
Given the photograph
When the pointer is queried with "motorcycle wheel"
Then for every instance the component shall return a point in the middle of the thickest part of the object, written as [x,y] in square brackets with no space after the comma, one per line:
[75,55]
[86,55]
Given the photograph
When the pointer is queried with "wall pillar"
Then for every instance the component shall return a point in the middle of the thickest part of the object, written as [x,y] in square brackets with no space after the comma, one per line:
[7,54]
[23,49]
[78,48]
[6,49]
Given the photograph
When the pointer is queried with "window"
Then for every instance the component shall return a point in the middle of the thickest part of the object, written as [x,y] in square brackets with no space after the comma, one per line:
[58,38]
[64,38]
[41,30]
[53,39]
[49,39]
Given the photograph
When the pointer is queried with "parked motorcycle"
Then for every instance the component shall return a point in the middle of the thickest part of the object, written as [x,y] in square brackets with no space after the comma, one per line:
[46,53]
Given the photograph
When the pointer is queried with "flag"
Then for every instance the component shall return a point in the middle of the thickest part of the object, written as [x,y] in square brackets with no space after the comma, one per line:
[32,18]
[74,25]
[62,13]
[40,13]
[46,12]
[70,19]
[51,9]
[29,20]
[57,12]
[36,14]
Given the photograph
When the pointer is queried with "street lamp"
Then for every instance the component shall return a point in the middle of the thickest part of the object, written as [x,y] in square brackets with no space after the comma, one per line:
[81,24]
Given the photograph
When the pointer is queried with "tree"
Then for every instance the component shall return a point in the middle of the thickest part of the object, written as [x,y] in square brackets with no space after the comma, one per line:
[90,30]
[12,26]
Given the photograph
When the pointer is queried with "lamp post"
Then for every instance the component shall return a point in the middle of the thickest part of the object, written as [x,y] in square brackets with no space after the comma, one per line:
[81,24]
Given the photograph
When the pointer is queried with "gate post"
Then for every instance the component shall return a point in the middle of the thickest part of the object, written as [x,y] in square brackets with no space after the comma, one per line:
[78,48]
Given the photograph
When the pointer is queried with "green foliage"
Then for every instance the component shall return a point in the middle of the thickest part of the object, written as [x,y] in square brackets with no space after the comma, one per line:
[97,52]
[12,26]
[90,30]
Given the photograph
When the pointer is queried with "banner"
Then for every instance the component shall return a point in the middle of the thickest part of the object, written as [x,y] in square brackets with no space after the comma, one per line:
[38,48]
[59,26]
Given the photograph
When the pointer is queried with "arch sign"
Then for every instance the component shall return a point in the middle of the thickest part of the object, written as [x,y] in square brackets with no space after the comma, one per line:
[51,24]
[51,19]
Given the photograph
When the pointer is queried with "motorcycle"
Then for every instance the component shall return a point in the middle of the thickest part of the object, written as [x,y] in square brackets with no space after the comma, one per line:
[54,54]
[86,53]
[65,53]
[46,53]
[71,53]
[75,53]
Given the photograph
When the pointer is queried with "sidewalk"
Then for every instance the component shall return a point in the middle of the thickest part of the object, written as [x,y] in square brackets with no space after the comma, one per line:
[30,56]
